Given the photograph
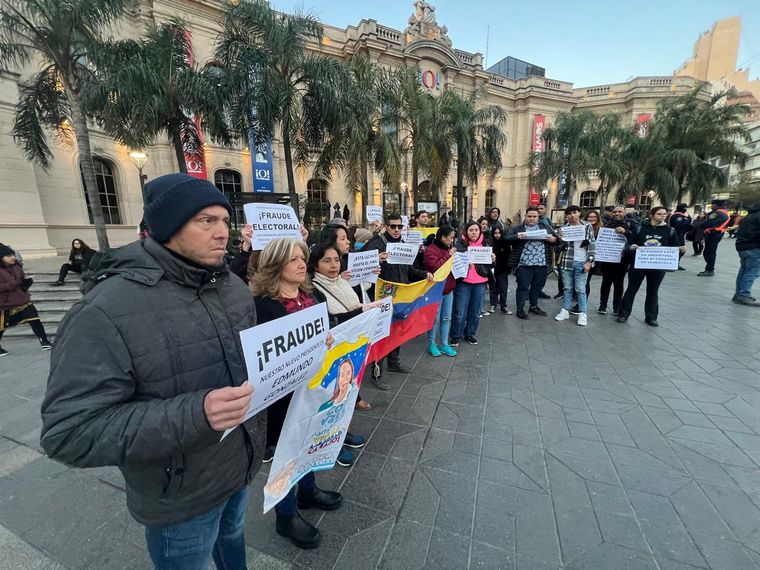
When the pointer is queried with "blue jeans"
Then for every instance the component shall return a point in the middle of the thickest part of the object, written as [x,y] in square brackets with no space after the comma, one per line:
[289,503]
[578,278]
[749,270]
[468,302]
[190,545]
[442,320]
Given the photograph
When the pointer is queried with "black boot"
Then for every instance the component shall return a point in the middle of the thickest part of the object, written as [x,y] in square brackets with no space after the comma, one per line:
[316,498]
[298,530]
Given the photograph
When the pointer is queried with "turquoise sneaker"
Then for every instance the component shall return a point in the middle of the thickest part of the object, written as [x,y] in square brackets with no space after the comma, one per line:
[447,350]
[433,350]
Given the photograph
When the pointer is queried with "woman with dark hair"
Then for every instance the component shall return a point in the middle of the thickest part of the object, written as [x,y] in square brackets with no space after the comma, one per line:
[654,232]
[79,257]
[593,218]
[436,254]
[281,287]
[469,291]
[15,303]
[324,269]
[501,250]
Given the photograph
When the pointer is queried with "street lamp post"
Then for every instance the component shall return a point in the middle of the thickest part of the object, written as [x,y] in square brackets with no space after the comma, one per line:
[139,159]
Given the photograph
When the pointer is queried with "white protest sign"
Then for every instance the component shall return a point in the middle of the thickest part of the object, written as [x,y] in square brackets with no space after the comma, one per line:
[383,324]
[536,234]
[413,237]
[321,409]
[271,222]
[461,265]
[654,257]
[609,246]
[573,233]
[283,354]
[362,266]
[401,253]
[374,213]
[405,221]
[479,255]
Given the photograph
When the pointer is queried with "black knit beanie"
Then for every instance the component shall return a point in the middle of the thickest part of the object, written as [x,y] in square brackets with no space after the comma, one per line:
[173,199]
[5,250]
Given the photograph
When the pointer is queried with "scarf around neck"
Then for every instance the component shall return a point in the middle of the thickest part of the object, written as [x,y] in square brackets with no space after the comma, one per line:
[341,298]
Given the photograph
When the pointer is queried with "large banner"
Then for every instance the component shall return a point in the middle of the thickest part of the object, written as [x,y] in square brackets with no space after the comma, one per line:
[537,145]
[415,306]
[195,162]
[320,411]
[261,163]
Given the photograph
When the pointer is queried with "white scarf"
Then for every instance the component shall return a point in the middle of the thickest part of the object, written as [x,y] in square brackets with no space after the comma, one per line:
[341,298]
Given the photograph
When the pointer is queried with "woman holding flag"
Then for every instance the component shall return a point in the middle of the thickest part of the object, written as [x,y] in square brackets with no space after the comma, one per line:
[281,287]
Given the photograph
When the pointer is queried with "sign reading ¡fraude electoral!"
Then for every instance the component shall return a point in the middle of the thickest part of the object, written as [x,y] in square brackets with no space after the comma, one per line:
[283,354]
[271,222]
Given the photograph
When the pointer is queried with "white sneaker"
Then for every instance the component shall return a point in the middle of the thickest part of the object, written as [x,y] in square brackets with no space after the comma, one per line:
[582,322]
[563,315]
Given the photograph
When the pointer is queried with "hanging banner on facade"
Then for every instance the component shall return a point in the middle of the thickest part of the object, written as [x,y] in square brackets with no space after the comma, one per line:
[642,124]
[195,161]
[261,163]
[537,145]
[562,190]
[320,411]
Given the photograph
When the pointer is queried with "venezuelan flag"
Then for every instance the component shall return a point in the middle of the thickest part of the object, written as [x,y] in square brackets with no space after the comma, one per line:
[354,351]
[415,306]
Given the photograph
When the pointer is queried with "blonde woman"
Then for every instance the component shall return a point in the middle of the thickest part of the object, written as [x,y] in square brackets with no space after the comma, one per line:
[281,287]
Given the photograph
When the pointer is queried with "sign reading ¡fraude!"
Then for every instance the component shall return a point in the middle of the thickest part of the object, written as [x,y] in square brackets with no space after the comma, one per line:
[271,222]
[283,354]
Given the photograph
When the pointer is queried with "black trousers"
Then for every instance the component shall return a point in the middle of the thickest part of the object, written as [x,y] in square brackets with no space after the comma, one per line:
[613,277]
[698,246]
[530,280]
[276,418]
[66,267]
[500,289]
[636,277]
[712,240]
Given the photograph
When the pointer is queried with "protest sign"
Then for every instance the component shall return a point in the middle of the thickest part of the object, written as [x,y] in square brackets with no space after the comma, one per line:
[270,222]
[405,221]
[362,266]
[413,237]
[283,354]
[461,265]
[536,234]
[383,325]
[479,255]
[654,257]
[609,245]
[374,213]
[401,253]
[321,409]
[573,233]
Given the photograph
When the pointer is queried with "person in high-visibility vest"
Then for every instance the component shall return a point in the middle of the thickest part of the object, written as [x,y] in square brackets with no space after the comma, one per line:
[714,228]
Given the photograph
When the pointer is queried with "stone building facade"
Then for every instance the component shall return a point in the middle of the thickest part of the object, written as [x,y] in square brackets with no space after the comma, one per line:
[42,211]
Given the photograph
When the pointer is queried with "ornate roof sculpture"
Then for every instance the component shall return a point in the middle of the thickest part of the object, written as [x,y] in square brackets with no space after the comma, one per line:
[422,25]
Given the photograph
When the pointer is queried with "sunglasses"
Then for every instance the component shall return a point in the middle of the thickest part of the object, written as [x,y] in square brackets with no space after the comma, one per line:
[396,226]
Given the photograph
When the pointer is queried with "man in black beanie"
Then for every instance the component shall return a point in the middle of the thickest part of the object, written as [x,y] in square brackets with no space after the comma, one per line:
[148,371]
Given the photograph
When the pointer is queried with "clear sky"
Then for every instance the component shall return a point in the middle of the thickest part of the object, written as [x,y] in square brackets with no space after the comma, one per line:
[586,42]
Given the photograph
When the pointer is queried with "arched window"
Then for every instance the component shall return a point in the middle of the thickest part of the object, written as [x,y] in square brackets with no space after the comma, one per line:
[645,204]
[317,204]
[426,192]
[230,183]
[588,199]
[490,199]
[109,201]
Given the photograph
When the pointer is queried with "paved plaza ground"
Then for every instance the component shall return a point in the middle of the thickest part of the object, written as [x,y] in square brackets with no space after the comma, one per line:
[546,446]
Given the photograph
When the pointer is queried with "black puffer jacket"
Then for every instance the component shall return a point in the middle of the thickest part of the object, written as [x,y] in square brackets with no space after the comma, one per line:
[393,272]
[748,235]
[130,369]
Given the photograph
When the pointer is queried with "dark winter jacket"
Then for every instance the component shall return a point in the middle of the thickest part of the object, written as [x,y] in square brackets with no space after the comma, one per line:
[502,250]
[131,367]
[649,235]
[435,257]
[12,294]
[81,258]
[681,222]
[518,244]
[748,235]
[393,272]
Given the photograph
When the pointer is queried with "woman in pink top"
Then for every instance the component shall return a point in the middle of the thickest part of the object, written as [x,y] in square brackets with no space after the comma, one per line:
[469,291]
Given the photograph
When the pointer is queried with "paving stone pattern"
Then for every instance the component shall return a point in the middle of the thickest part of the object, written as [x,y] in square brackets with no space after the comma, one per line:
[546,446]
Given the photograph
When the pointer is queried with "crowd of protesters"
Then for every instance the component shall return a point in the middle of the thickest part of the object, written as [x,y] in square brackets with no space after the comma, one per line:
[147,369]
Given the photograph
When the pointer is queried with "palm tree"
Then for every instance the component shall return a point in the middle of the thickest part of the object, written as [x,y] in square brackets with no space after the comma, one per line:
[698,132]
[152,86]
[276,83]
[607,139]
[58,35]
[478,139]
[567,148]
